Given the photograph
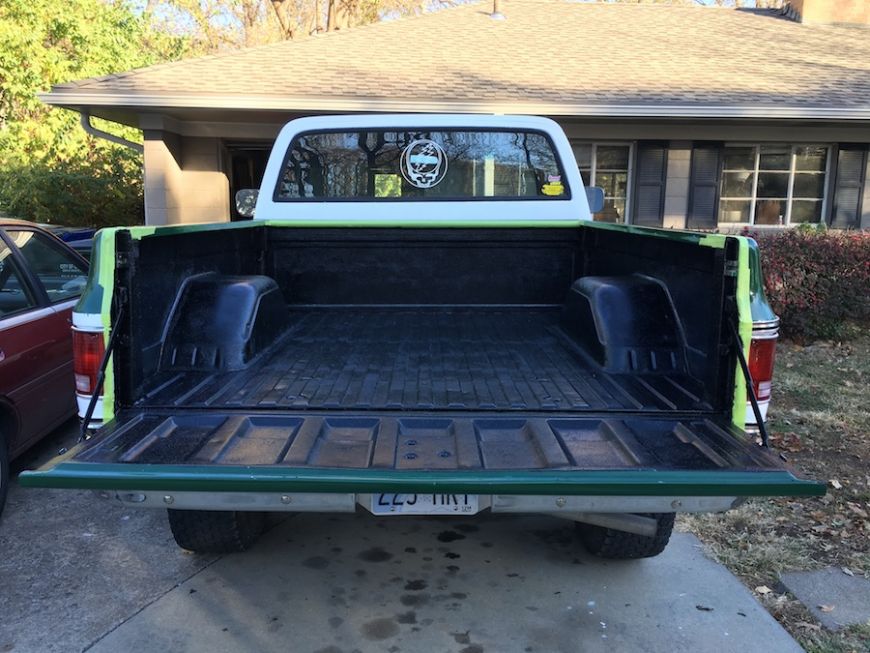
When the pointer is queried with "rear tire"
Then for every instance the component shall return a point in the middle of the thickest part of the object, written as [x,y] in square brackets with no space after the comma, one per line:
[619,545]
[214,531]
[4,471]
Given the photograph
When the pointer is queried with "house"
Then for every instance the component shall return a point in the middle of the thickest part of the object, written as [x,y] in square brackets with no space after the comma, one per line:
[687,116]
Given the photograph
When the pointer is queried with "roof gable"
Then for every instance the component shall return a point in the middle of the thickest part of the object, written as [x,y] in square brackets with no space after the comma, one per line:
[548,56]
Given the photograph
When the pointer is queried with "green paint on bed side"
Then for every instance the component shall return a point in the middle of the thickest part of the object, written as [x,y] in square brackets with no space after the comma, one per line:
[91,300]
[706,240]
[744,312]
[429,224]
[141,232]
[278,478]
[761,310]
[692,237]
[107,280]
[716,241]
[97,299]
[137,233]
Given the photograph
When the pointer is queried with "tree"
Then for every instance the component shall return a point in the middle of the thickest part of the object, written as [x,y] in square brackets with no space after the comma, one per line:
[50,170]
[215,25]
[752,4]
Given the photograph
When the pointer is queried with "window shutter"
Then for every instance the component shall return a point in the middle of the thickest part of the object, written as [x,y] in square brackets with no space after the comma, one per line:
[848,188]
[650,179]
[704,187]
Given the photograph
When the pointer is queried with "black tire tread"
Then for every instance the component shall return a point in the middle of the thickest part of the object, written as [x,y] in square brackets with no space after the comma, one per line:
[215,531]
[619,545]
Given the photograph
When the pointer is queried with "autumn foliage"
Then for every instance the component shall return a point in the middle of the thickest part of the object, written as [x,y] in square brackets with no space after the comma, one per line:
[818,282]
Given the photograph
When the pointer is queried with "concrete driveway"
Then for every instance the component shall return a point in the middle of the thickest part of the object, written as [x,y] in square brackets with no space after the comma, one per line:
[80,574]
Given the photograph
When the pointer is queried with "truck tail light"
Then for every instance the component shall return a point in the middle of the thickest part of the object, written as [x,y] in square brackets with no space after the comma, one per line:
[762,353]
[88,350]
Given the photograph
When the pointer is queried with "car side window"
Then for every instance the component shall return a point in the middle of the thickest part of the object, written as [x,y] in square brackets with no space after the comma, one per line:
[14,296]
[62,275]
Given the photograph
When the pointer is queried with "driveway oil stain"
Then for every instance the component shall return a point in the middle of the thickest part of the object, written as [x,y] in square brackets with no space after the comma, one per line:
[316,562]
[451,555]
[409,617]
[462,638]
[467,528]
[450,536]
[375,554]
[335,622]
[329,649]
[380,629]
[556,536]
[474,648]
[414,600]
[415,585]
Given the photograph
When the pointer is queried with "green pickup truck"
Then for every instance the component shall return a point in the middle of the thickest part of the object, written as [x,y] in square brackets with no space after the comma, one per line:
[422,318]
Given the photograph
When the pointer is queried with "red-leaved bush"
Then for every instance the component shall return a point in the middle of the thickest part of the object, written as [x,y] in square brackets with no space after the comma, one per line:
[817,282]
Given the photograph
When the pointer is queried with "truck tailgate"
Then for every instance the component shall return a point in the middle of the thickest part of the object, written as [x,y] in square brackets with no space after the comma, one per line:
[521,454]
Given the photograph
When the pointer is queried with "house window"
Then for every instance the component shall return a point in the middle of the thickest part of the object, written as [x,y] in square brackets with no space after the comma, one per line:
[607,165]
[773,184]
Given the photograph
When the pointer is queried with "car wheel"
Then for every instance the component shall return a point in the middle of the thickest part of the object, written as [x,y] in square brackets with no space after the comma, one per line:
[4,471]
[215,531]
[619,545]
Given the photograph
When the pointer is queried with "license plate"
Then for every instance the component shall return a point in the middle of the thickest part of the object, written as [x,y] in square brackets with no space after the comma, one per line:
[424,504]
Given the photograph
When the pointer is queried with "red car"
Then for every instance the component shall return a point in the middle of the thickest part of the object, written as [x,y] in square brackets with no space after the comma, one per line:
[41,279]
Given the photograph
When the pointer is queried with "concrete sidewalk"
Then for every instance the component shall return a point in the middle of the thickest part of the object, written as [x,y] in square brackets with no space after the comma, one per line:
[320,584]
[78,573]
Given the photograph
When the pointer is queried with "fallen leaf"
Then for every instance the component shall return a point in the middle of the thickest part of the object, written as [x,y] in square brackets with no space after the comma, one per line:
[848,571]
[836,484]
[807,625]
[763,589]
[826,608]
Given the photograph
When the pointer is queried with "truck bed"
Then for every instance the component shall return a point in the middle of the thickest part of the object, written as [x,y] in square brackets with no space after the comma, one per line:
[433,358]
[434,361]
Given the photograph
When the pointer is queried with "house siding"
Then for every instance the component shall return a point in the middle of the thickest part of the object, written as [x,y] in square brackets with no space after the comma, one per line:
[677,185]
[865,202]
[185,181]
[186,170]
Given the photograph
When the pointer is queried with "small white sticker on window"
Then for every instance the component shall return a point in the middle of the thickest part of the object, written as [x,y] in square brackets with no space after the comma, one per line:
[424,163]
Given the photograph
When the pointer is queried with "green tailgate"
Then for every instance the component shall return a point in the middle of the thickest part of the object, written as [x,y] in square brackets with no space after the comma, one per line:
[524,454]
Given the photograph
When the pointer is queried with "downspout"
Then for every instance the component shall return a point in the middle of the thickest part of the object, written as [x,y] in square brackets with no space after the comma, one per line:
[99,133]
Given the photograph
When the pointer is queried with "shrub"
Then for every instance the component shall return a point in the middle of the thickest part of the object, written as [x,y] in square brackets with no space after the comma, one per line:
[50,169]
[818,282]
[76,195]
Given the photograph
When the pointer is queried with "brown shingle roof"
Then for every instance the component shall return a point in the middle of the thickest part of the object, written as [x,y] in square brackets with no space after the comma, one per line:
[550,56]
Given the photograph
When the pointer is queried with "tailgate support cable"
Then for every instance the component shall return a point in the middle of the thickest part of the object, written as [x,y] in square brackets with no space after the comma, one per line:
[101,377]
[753,400]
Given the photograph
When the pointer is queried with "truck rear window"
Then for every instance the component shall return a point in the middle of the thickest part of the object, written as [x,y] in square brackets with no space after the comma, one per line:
[429,164]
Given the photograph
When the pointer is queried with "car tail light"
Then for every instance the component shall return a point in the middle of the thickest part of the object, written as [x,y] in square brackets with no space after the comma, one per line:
[88,350]
[762,353]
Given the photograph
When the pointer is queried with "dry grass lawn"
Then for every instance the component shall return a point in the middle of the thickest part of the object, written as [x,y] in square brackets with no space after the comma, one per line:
[820,420]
